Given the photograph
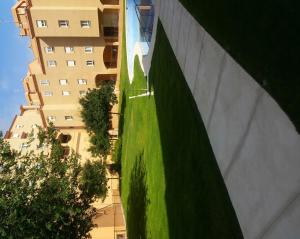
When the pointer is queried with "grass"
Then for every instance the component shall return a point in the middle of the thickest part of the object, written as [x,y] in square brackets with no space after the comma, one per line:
[171,184]
[263,36]
[142,194]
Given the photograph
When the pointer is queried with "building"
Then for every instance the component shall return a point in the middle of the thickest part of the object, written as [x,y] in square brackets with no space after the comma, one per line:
[76,47]
[75,44]
[24,129]
[22,134]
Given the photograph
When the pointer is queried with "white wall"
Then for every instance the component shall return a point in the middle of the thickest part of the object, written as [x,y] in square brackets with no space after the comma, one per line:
[255,144]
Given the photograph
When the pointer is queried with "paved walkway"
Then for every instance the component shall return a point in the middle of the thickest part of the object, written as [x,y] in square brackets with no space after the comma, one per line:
[255,144]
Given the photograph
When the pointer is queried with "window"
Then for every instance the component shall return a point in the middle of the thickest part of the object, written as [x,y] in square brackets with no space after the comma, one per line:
[88,49]
[66,93]
[68,117]
[82,93]
[63,23]
[85,24]
[51,63]
[82,82]
[90,63]
[63,82]
[24,135]
[49,49]
[19,126]
[15,135]
[41,23]
[71,63]
[51,118]
[69,49]
[48,93]
[44,82]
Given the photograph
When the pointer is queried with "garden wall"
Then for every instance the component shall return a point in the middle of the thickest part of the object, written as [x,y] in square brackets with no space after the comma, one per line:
[256,145]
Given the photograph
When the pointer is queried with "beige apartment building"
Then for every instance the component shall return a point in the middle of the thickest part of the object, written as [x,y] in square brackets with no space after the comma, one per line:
[75,44]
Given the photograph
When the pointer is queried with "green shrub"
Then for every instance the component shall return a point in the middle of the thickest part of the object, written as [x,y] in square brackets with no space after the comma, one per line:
[96,106]
[117,156]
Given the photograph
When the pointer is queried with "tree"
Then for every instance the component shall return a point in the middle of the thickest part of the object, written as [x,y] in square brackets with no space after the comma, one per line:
[96,106]
[48,195]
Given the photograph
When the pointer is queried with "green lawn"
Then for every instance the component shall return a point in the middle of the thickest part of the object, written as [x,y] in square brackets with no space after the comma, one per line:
[264,37]
[171,186]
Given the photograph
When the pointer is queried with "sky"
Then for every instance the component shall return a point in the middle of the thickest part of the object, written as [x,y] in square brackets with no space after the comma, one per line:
[15,55]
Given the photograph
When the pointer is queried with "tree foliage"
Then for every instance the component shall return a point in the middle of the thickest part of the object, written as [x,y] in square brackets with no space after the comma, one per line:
[96,106]
[91,172]
[47,195]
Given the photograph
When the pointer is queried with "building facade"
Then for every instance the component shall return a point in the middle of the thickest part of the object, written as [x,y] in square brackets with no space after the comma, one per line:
[75,46]
[22,134]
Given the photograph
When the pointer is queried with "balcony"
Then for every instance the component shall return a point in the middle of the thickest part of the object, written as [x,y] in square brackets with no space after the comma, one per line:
[19,12]
[110,32]
[103,79]
[110,56]
[33,98]
[110,25]
[110,4]
[28,83]
[35,67]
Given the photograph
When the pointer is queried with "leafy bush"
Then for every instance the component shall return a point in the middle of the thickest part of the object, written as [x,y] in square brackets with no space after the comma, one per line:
[96,106]
[117,156]
[93,179]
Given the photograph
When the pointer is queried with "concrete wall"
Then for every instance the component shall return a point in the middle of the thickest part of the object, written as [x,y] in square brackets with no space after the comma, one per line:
[255,144]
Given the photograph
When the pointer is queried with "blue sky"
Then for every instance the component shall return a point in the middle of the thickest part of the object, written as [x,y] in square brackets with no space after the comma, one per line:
[14,58]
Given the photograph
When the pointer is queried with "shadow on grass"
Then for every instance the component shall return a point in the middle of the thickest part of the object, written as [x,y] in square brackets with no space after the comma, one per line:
[137,201]
[198,204]
[251,35]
